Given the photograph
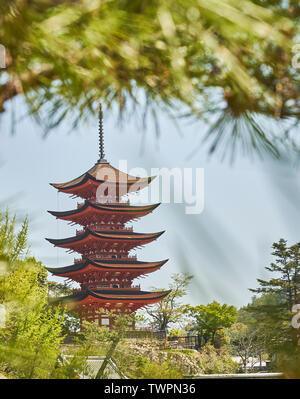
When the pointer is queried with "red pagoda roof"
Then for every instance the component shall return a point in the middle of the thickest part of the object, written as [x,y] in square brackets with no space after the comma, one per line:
[108,239]
[101,212]
[107,265]
[102,173]
[113,297]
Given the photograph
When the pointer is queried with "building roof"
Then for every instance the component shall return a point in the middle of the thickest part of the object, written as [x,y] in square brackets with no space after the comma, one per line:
[107,236]
[90,296]
[94,211]
[104,172]
[108,265]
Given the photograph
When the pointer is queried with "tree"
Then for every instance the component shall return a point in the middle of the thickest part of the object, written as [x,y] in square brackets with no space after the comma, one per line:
[71,322]
[216,361]
[286,283]
[147,369]
[282,292]
[13,244]
[175,333]
[270,317]
[58,289]
[272,310]
[30,340]
[95,338]
[211,318]
[222,57]
[247,343]
[170,309]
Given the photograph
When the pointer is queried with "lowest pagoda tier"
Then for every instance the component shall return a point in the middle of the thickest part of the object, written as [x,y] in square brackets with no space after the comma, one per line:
[126,301]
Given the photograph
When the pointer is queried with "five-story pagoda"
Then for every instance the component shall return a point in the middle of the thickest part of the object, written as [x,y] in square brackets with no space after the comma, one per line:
[106,268]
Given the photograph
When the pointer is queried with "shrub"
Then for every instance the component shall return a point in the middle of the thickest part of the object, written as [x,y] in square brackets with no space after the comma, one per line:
[145,368]
[216,361]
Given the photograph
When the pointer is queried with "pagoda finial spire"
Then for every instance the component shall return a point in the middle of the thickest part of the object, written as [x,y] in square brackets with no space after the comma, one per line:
[101,137]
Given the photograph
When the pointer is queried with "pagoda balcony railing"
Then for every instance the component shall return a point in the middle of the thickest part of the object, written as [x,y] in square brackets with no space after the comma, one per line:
[93,286]
[135,287]
[129,258]
[114,257]
[100,227]
[110,201]
[80,204]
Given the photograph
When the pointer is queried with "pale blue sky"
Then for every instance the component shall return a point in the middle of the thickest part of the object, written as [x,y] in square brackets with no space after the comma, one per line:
[248,205]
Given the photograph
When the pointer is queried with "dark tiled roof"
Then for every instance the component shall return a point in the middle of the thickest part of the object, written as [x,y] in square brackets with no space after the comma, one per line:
[104,172]
[115,294]
[107,235]
[116,208]
[107,264]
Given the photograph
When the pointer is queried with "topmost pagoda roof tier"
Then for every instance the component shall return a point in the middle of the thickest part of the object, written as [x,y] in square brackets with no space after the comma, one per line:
[85,186]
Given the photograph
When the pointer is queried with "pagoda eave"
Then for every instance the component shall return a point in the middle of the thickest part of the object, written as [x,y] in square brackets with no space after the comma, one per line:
[87,183]
[97,212]
[108,299]
[88,178]
[103,172]
[92,265]
[109,240]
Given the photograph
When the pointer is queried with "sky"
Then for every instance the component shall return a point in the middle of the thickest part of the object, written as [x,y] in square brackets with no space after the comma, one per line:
[248,204]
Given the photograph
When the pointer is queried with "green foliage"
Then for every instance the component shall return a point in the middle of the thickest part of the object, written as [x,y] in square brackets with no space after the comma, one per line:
[72,366]
[58,289]
[170,309]
[96,338]
[288,362]
[273,309]
[221,339]
[145,368]
[211,318]
[188,352]
[247,342]
[272,320]
[13,245]
[271,312]
[286,283]
[31,337]
[71,321]
[175,332]
[221,57]
[216,361]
